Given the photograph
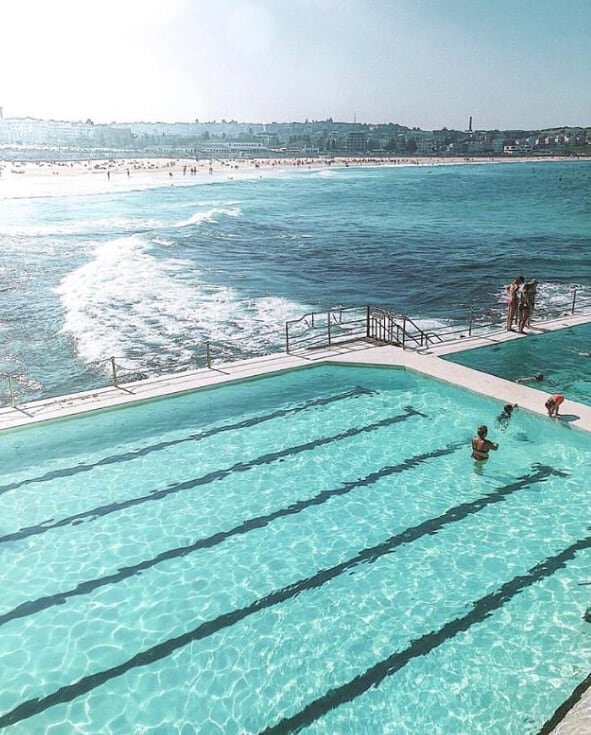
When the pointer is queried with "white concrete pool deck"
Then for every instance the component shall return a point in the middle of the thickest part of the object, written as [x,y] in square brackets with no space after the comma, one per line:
[425,360]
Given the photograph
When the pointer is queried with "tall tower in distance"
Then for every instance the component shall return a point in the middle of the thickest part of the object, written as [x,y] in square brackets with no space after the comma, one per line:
[470,125]
[1,115]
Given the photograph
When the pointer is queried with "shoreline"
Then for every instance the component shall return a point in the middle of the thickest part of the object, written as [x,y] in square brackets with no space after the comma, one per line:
[23,179]
[177,163]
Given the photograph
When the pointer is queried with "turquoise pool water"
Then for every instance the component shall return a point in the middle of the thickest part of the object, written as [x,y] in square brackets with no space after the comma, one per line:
[313,552]
[562,356]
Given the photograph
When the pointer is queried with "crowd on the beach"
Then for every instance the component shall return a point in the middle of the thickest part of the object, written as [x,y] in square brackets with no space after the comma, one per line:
[171,166]
[521,301]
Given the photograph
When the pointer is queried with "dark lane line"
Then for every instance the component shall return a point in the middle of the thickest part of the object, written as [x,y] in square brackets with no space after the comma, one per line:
[104,510]
[246,423]
[372,677]
[166,648]
[42,603]
[562,711]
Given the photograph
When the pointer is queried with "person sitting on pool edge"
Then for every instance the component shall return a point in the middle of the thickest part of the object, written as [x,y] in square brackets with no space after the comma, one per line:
[553,404]
[481,445]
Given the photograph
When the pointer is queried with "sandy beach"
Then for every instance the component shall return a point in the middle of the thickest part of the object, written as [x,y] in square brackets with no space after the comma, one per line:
[32,178]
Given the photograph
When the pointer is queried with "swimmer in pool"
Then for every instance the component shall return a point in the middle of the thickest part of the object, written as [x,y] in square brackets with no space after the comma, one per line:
[481,445]
[505,415]
[538,377]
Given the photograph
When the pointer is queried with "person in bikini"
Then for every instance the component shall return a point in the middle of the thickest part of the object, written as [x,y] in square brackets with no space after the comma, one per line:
[481,445]
[524,307]
[512,300]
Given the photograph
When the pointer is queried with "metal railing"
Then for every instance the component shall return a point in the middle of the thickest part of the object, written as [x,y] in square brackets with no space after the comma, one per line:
[121,372]
[319,329]
[341,324]
[345,323]
[467,322]
[337,325]
[10,379]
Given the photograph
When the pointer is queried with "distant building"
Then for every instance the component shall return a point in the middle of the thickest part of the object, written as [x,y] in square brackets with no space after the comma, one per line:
[232,149]
[357,141]
[245,147]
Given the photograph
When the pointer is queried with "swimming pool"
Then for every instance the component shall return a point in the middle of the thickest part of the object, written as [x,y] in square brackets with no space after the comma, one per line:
[563,356]
[312,551]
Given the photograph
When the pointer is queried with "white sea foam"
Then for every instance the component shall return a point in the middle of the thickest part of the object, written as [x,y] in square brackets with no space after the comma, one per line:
[558,296]
[80,227]
[210,215]
[127,303]
[26,187]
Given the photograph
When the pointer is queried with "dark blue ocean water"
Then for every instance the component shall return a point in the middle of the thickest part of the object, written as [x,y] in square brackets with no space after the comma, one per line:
[154,272]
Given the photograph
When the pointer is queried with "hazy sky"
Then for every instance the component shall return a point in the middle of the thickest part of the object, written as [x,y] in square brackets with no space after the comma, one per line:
[430,63]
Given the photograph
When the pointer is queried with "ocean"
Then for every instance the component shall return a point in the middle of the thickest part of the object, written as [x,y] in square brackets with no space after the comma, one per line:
[149,271]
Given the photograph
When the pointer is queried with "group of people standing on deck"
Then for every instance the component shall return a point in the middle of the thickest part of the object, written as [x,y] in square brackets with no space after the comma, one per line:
[521,300]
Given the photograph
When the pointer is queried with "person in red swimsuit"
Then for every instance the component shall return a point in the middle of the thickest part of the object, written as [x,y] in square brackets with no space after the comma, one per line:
[553,404]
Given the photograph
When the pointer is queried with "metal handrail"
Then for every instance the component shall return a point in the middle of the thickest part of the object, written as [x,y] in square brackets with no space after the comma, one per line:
[371,322]
[339,324]
[424,338]
[323,327]
[385,326]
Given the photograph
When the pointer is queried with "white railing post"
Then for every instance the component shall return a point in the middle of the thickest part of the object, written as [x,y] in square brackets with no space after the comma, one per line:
[11,391]
[114,370]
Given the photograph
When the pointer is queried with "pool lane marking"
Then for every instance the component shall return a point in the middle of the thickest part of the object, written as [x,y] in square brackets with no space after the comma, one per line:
[375,675]
[104,510]
[159,651]
[30,607]
[562,711]
[355,392]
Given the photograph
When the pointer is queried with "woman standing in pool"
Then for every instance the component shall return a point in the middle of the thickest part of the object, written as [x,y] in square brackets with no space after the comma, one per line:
[481,445]
[512,299]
